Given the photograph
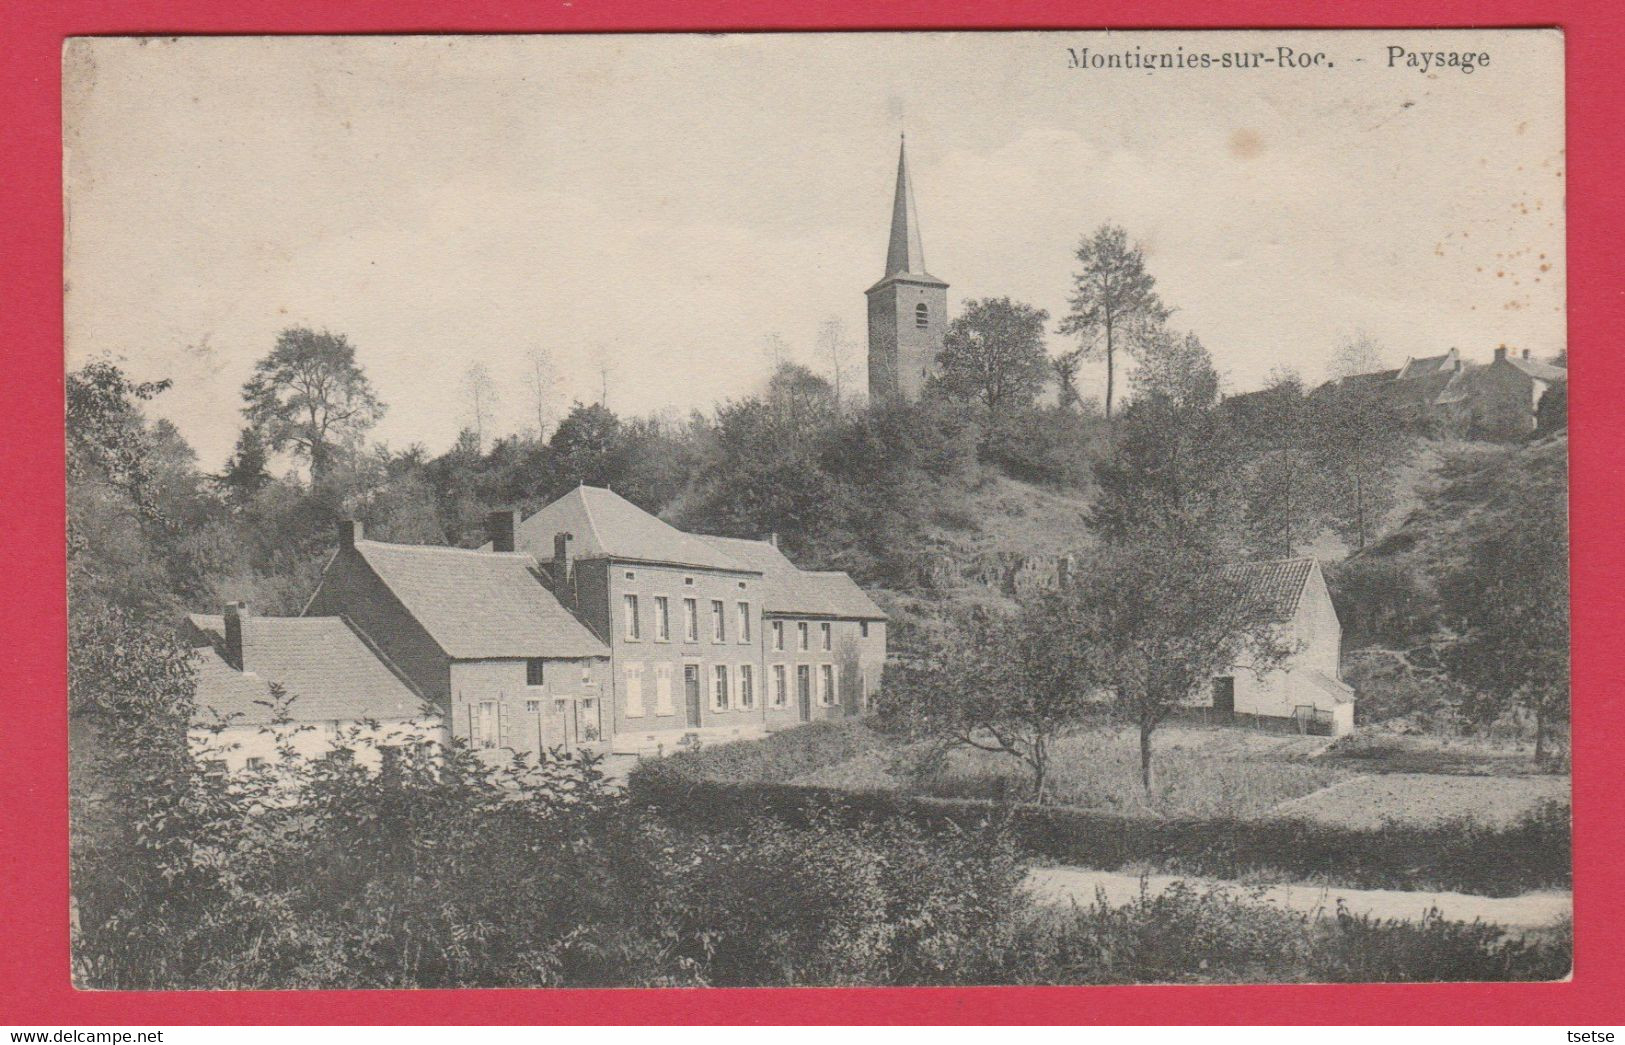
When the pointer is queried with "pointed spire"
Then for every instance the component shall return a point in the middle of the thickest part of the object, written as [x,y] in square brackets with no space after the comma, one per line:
[904,253]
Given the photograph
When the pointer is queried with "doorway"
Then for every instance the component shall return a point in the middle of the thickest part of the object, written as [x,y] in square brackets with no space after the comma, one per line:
[691,692]
[804,691]
[1224,698]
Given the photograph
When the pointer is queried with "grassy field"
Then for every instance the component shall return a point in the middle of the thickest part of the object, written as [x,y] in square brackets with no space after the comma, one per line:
[1199,771]
[1426,798]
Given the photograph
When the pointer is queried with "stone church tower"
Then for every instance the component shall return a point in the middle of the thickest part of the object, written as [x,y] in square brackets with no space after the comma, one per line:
[907,308]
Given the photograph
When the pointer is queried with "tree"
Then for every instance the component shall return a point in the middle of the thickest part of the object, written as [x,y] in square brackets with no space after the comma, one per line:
[589,446]
[833,345]
[1170,475]
[1358,353]
[993,355]
[1272,428]
[1156,622]
[1178,369]
[1508,601]
[482,394]
[541,378]
[1008,685]
[1066,378]
[246,473]
[1114,299]
[1360,435]
[310,396]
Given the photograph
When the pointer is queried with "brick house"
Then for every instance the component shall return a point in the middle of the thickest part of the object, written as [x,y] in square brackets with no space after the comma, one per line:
[1498,400]
[1305,690]
[479,633]
[333,682]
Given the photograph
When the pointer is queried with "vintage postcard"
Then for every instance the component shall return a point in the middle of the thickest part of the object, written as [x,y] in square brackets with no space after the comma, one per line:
[817,509]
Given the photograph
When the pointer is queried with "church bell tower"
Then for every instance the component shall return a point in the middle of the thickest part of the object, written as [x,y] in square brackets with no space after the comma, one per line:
[907,308]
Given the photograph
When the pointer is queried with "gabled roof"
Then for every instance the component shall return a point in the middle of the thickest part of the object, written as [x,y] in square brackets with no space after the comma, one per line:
[1538,370]
[1276,587]
[480,605]
[322,661]
[606,525]
[1424,365]
[791,590]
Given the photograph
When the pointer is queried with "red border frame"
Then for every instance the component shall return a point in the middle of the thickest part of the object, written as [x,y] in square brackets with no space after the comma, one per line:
[34,986]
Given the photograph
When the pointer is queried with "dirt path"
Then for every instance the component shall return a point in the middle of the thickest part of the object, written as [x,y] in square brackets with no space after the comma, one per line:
[1536,910]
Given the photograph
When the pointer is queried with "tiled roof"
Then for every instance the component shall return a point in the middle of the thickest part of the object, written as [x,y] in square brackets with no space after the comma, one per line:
[791,590]
[1536,369]
[321,661]
[478,605]
[606,525]
[1374,378]
[1276,587]
[1425,365]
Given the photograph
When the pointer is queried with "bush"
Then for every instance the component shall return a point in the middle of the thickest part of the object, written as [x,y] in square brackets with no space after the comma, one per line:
[1461,855]
[779,757]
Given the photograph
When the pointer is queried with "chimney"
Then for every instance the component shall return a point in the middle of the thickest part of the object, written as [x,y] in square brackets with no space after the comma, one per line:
[350,531]
[1063,572]
[235,614]
[1501,354]
[561,558]
[500,527]
[1526,353]
[773,538]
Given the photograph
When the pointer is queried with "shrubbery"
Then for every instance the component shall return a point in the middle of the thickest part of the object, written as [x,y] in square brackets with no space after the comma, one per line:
[1459,855]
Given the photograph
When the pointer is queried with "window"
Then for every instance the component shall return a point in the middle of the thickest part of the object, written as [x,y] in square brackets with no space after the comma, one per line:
[255,763]
[780,687]
[662,689]
[559,706]
[485,724]
[826,684]
[632,624]
[744,622]
[719,692]
[634,691]
[823,635]
[691,620]
[747,688]
[214,766]
[586,673]
[533,707]
[631,576]
[778,634]
[863,629]
[922,315]
[801,634]
[719,622]
[662,619]
[689,581]
[535,672]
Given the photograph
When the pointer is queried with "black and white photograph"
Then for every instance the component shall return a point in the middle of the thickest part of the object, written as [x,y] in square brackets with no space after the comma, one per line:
[817,509]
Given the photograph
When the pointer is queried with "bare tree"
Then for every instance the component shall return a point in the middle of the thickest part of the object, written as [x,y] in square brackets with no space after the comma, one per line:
[833,345]
[481,390]
[1358,353]
[777,351]
[541,378]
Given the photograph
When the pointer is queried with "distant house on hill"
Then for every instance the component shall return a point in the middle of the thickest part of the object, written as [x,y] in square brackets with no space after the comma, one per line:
[1305,690]
[333,682]
[1501,400]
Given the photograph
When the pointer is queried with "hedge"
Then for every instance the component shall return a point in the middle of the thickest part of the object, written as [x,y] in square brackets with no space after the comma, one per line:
[1460,855]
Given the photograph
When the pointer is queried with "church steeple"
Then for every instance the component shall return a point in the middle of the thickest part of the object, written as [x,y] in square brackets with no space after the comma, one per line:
[907,308]
[904,254]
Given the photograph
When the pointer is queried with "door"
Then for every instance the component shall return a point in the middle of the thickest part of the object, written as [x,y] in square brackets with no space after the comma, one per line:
[804,691]
[1224,698]
[691,692]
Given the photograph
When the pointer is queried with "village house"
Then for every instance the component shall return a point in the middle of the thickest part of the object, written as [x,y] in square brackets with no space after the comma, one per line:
[592,624]
[1498,400]
[308,682]
[1304,691]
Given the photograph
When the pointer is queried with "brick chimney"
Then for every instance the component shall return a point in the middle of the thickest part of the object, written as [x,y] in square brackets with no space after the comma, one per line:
[1501,354]
[500,527]
[350,531]
[235,613]
[561,558]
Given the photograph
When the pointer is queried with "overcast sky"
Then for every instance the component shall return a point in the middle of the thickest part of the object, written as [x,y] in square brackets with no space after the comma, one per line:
[659,205]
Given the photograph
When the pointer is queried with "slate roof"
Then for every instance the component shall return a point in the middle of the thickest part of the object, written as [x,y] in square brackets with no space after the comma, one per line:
[606,525]
[791,590]
[1425,365]
[1374,378]
[1276,586]
[478,604]
[1536,369]
[322,661]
